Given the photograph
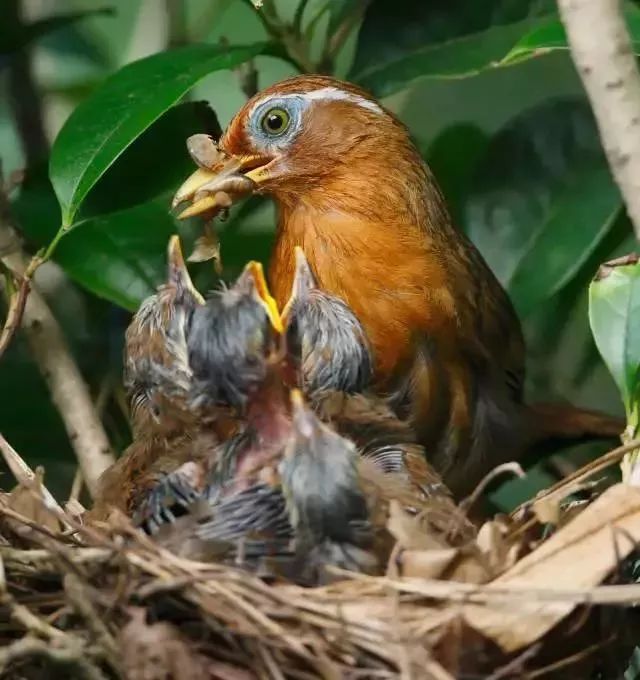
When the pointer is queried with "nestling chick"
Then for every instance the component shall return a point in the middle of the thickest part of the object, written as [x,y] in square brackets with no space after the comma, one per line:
[324,331]
[336,371]
[226,346]
[229,338]
[327,506]
[353,191]
[166,429]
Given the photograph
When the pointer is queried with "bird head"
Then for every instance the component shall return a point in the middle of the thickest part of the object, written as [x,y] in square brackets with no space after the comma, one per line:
[157,373]
[231,339]
[319,473]
[300,135]
[326,334]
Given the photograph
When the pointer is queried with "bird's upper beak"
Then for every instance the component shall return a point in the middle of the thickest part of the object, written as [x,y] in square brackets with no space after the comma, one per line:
[255,270]
[220,176]
[303,282]
[178,274]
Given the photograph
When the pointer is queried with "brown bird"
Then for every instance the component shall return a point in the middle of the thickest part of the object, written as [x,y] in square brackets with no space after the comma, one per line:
[224,348]
[176,431]
[352,190]
[340,503]
[166,429]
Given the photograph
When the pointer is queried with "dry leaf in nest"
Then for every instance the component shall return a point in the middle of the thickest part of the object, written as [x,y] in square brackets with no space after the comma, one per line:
[29,500]
[408,530]
[578,556]
[158,651]
[452,564]
[499,549]
[423,552]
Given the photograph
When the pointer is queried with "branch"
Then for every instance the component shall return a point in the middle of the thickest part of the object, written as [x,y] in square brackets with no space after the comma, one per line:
[24,98]
[603,54]
[291,39]
[49,348]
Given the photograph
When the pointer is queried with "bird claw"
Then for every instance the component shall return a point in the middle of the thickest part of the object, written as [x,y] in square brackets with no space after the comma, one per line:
[171,498]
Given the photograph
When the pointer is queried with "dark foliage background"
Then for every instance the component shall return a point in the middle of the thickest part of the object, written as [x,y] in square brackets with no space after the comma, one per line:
[487,88]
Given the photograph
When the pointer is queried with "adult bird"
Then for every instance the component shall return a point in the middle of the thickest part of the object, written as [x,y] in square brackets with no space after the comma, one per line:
[352,190]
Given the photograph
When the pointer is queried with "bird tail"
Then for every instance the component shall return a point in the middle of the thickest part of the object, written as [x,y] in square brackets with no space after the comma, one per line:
[564,423]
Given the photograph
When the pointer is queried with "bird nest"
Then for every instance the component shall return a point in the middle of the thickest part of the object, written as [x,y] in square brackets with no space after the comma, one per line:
[80,602]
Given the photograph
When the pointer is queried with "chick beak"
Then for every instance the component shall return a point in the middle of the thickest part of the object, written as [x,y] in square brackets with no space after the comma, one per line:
[303,418]
[303,282]
[219,175]
[255,270]
[178,274]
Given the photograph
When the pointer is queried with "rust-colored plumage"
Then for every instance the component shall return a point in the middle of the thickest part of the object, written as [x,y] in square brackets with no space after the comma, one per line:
[352,190]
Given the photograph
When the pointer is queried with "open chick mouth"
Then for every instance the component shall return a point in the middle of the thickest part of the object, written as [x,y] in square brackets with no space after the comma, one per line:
[220,180]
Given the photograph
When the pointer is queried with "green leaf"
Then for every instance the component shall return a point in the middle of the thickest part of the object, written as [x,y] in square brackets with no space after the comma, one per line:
[581,214]
[119,257]
[128,102]
[12,40]
[541,201]
[614,314]
[402,41]
[134,178]
[550,35]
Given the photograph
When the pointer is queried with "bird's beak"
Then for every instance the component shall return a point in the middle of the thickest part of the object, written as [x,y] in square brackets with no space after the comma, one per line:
[303,282]
[303,420]
[178,274]
[255,270]
[219,177]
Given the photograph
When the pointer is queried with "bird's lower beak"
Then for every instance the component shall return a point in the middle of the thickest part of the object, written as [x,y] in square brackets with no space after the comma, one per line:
[178,274]
[209,189]
[270,305]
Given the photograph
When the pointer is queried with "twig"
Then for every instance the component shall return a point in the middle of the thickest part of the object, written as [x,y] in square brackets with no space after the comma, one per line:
[17,301]
[24,98]
[569,660]
[567,486]
[79,599]
[335,42]
[602,51]
[515,667]
[454,591]
[299,15]
[69,655]
[505,468]
[22,472]
[49,348]
[294,43]
[178,34]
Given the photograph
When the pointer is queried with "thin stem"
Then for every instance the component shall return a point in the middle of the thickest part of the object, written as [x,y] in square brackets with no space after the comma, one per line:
[294,43]
[299,15]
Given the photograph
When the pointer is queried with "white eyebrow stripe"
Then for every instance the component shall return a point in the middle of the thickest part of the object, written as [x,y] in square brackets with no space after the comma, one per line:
[326,94]
[336,94]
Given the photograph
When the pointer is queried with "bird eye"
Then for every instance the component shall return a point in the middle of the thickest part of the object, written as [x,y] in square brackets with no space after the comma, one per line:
[275,122]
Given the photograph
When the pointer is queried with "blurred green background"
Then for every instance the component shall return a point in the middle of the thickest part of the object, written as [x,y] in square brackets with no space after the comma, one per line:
[507,131]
